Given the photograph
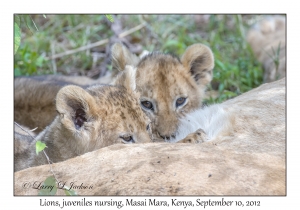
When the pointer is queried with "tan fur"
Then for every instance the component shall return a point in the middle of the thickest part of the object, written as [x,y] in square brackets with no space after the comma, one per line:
[121,57]
[199,136]
[88,120]
[23,138]
[265,37]
[162,79]
[23,130]
[249,159]
[34,102]
[34,97]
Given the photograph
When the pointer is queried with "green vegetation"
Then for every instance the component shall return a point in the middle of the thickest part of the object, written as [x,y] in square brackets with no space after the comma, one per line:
[236,70]
[39,146]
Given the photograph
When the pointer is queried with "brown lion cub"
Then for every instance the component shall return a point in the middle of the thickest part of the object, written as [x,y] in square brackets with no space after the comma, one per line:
[87,120]
[169,87]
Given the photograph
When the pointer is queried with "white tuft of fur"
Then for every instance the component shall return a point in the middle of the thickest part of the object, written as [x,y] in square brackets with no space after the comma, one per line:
[212,119]
[144,53]
[131,72]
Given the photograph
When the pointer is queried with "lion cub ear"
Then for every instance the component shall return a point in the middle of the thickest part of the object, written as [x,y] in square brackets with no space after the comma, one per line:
[199,60]
[75,105]
[121,57]
[126,79]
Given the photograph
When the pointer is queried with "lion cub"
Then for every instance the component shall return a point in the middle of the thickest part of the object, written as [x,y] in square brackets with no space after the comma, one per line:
[169,87]
[87,120]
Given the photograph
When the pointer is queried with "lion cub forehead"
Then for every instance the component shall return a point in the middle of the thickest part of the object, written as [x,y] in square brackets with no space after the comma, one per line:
[163,74]
[158,60]
[108,91]
[160,68]
[112,96]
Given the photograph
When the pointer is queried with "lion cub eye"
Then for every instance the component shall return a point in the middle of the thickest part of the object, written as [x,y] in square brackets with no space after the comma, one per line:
[127,139]
[180,101]
[147,105]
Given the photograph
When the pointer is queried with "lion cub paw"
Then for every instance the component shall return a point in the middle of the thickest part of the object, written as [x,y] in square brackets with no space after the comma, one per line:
[198,136]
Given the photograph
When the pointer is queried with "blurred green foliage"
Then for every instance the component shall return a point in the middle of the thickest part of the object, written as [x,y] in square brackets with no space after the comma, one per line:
[236,69]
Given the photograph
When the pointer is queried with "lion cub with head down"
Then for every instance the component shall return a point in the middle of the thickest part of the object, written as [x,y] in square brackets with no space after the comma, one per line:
[169,87]
[87,120]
